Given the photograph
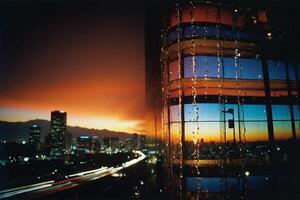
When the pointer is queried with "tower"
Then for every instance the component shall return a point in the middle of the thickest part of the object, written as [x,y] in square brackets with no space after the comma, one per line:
[58,132]
[35,137]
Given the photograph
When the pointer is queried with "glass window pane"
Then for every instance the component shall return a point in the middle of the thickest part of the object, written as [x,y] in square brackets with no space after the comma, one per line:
[188,67]
[190,112]
[206,112]
[297,128]
[235,110]
[296,109]
[276,70]
[281,112]
[282,130]
[209,112]
[250,68]
[256,131]
[175,136]
[292,73]
[205,66]
[202,31]
[226,34]
[229,68]
[173,70]
[203,132]
[174,113]
[253,112]
[173,36]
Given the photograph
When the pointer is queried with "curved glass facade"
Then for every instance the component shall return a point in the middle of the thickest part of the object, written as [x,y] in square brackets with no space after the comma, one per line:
[231,111]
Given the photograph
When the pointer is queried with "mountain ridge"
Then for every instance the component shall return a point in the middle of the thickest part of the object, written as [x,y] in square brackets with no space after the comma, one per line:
[18,131]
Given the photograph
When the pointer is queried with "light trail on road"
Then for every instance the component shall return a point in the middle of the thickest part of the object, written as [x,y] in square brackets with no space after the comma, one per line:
[72,180]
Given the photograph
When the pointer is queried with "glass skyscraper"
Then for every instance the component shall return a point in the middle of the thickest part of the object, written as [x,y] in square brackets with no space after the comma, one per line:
[230,91]
[58,133]
[35,137]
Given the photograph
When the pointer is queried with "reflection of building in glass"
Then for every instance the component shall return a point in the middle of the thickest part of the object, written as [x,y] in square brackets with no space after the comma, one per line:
[58,131]
[231,105]
[35,137]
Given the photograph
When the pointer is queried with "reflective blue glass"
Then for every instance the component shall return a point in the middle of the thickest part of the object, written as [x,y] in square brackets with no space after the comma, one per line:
[292,72]
[276,70]
[250,68]
[244,68]
[253,112]
[206,66]
[212,31]
[230,71]
[281,112]
[173,36]
[296,109]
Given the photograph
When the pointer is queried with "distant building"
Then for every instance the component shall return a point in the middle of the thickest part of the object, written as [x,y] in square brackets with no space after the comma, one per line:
[114,143]
[129,145]
[84,142]
[142,142]
[135,138]
[35,137]
[68,142]
[138,141]
[110,143]
[58,131]
[96,144]
[105,143]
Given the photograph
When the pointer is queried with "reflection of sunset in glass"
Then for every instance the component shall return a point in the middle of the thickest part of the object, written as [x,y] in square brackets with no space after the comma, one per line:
[282,130]
[208,131]
[253,121]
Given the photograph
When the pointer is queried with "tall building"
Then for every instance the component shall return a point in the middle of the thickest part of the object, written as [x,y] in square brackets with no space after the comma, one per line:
[138,142]
[96,144]
[230,95]
[58,132]
[106,143]
[68,142]
[110,144]
[135,139]
[35,137]
[114,143]
[85,142]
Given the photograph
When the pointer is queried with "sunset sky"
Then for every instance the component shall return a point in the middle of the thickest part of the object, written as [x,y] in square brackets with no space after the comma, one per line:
[86,59]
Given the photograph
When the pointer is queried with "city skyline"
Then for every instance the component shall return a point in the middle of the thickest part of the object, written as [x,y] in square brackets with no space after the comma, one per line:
[60,61]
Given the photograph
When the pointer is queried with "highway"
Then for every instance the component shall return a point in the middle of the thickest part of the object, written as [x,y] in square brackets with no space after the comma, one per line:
[70,181]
